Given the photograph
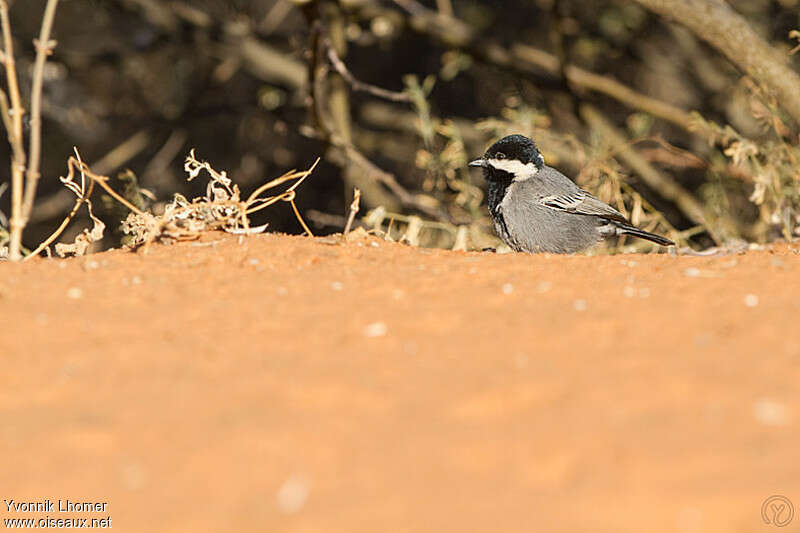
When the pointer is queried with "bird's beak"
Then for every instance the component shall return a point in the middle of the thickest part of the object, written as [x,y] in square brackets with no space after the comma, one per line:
[479,163]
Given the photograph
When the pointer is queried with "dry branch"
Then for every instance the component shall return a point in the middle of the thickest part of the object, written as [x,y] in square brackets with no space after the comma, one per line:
[328,131]
[358,85]
[44,47]
[82,195]
[12,118]
[531,62]
[605,85]
[354,207]
[221,208]
[665,185]
[717,23]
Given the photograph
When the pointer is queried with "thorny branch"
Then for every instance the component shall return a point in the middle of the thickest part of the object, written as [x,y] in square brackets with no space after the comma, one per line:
[83,195]
[12,118]
[718,24]
[316,72]
[356,84]
[530,62]
[44,47]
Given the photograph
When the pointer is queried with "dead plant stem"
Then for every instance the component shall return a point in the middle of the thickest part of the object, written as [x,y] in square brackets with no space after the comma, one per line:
[12,118]
[44,47]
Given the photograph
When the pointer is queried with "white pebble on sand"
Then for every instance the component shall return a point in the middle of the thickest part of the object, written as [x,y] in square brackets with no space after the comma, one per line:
[75,293]
[692,272]
[508,288]
[751,300]
[770,412]
[629,291]
[544,286]
[376,329]
[292,495]
[580,305]
[337,285]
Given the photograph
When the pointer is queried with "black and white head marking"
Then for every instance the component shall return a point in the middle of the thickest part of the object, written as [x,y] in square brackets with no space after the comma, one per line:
[514,158]
[521,171]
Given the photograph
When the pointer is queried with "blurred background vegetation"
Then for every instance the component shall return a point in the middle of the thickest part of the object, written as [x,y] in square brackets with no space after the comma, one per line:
[396,96]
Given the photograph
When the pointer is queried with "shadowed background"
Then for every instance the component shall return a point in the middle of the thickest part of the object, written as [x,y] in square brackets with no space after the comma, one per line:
[607,89]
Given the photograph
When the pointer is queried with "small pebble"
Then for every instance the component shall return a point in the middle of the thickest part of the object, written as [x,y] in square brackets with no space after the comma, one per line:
[253,261]
[376,329]
[91,264]
[136,280]
[580,305]
[374,244]
[337,285]
[692,272]
[771,413]
[544,286]
[292,494]
[751,300]
[508,288]
[75,293]
[629,291]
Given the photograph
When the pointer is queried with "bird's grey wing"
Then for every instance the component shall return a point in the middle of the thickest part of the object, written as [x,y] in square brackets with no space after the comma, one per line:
[581,202]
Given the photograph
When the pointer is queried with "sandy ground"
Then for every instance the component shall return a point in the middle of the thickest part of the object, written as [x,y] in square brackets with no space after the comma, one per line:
[286,384]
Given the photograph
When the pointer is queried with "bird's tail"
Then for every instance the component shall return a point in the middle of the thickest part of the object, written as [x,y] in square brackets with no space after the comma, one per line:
[626,229]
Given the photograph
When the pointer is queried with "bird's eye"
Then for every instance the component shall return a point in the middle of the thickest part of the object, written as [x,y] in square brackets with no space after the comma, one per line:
[500,155]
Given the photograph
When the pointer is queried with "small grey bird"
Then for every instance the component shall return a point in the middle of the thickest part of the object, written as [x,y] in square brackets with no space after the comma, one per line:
[536,208]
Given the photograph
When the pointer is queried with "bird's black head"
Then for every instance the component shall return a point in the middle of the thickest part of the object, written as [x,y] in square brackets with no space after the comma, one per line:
[512,158]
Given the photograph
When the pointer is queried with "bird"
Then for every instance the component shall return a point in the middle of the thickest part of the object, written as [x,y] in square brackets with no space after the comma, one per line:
[537,209]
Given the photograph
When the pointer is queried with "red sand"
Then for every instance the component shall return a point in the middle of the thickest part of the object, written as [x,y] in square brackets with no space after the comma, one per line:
[287,385]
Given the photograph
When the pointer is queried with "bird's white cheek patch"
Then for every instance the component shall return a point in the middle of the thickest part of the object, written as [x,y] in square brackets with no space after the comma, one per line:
[521,171]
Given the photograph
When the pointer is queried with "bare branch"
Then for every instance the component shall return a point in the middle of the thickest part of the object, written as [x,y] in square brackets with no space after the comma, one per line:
[12,118]
[324,131]
[665,185]
[82,196]
[717,23]
[531,62]
[44,47]
[356,84]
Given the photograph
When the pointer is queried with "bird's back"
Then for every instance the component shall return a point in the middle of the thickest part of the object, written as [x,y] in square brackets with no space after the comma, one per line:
[529,226]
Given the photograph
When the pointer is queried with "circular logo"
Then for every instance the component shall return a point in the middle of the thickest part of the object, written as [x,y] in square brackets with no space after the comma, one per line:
[777,510]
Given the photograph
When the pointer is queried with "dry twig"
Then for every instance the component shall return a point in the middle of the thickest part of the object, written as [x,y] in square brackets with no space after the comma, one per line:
[354,206]
[44,47]
[12,118]
[662,183]
[220,209]
[83,195]
[359,85]
[718,24]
